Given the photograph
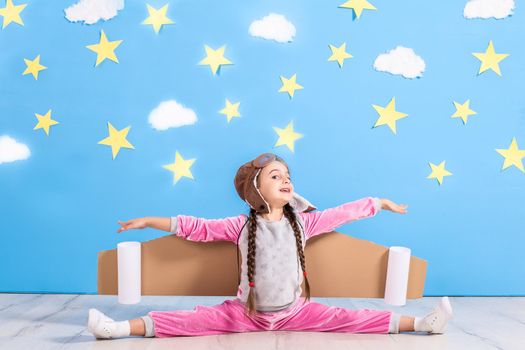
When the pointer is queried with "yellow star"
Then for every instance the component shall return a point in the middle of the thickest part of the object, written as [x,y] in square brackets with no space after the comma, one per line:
[388,115]
[490,59]
[438,172]
[290,85]
[287,136]
[231,110]
[215,58]
[33,67]
[157,18]
[358,6]
[11,13]
[180,168]
[339,54]
[105,49]
[512,155]
[116,139]
[44,122]
[463,111]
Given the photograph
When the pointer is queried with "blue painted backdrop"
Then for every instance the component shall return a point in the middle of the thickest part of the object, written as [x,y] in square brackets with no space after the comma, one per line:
[60,206]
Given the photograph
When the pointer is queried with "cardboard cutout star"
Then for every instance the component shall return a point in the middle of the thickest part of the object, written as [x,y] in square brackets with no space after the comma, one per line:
[490,59]
[11,13]
[463,111]
[116,139]
[290,85]
[388,115]
[287,136]
[33,67]
[512,155]
[180,168]
[105,49]
[157,18]
[230,110]
[358,6]
[438,172]
[215,58]
[44,122]
[339,54]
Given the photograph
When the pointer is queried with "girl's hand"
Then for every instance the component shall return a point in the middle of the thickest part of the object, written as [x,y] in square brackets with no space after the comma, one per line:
[135,223]
[396,208]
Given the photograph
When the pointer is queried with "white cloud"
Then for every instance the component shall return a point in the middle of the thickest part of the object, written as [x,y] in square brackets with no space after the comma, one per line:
[401,61]
[273,27]
[488,8]
[91,11]
[12,150]
[171,114]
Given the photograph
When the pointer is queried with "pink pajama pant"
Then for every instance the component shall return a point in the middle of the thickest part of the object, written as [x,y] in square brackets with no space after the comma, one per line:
[308,316]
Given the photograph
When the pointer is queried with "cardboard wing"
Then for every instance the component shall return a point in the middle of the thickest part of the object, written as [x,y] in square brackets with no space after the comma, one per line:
[338,265]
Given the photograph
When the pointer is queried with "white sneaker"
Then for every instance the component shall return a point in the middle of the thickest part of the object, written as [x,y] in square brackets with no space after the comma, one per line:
[100,325]
[438,318]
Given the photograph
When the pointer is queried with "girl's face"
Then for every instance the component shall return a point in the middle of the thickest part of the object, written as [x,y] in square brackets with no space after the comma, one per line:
[275,184]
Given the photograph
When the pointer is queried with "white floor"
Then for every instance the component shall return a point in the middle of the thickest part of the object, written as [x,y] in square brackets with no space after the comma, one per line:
[58,321]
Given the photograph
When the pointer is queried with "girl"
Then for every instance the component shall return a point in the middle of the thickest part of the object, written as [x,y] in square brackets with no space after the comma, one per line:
[271,241]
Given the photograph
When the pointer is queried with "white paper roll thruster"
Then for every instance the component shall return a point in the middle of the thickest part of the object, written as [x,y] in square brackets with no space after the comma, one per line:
[397,276]
[129,271]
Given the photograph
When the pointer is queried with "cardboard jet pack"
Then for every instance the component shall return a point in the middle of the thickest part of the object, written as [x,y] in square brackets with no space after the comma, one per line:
[338,266]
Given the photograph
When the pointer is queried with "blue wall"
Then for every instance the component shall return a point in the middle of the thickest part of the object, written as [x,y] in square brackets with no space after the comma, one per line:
[60,206]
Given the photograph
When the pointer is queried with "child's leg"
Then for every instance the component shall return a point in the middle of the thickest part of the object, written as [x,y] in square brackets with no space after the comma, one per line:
[104,327]
[315,317]
[142,326]
[406,324]
[435,321]
[137,326]
[227,317]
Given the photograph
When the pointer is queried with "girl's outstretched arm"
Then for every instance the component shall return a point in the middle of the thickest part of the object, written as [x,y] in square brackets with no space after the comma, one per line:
[140,223]
[396,208]
[206,230]
[327,220]
[159,223]
[190,227]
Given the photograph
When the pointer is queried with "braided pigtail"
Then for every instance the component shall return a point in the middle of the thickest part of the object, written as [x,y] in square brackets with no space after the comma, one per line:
[252,228]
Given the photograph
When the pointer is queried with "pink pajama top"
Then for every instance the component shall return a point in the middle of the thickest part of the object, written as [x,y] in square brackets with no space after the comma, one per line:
[278,275]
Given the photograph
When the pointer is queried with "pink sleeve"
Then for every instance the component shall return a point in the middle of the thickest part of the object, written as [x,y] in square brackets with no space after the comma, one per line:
[324,221]
[206,230]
